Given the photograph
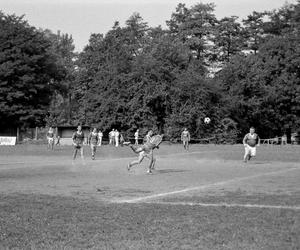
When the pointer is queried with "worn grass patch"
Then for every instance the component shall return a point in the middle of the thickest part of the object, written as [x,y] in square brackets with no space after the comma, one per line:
[51,222]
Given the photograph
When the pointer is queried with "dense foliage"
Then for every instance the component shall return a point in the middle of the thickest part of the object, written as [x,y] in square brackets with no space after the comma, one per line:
[28,72]
[239,74]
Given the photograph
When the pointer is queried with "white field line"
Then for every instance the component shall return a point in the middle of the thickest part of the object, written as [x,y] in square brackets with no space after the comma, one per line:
[12,163]
[230,205]
[220,183]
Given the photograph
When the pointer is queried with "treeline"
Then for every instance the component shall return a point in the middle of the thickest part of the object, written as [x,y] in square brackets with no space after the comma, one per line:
[239,74]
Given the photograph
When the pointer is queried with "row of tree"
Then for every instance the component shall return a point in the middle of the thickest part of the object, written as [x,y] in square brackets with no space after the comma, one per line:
[240,74]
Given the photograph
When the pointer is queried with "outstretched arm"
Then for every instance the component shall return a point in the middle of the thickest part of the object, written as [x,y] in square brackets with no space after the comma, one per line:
[258,141]
[157,146]
[74,138]
[245,140]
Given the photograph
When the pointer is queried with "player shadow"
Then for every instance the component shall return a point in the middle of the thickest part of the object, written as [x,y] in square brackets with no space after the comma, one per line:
[166,171]
[259,162]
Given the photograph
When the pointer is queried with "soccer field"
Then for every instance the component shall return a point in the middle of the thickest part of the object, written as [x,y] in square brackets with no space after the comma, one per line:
[206,198]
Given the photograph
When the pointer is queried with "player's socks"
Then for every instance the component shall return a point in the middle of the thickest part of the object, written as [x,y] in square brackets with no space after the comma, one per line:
[128,166]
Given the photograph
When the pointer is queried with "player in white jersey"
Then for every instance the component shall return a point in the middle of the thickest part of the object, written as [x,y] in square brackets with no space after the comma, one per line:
[111,136]
[93,141]
[100,136]
[50,138]
[185,138]
[117,137]
[136,137]
[250,141]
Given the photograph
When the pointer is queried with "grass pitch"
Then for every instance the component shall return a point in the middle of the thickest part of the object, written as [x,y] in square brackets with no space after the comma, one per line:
[206,198]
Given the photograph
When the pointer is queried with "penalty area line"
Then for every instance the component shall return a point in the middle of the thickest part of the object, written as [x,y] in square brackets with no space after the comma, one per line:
[202,187]
[229,205]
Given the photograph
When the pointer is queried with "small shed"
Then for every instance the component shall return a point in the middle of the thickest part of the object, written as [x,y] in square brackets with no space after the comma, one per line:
[65,133]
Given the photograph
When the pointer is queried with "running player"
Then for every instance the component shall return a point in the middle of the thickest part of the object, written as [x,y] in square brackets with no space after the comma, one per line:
[93,140]
[250,141]
[50,138]
[185,138]
[145,150]
[78,138]
[117,137]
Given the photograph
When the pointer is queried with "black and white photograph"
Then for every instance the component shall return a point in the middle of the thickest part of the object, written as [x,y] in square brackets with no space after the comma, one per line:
[149,124]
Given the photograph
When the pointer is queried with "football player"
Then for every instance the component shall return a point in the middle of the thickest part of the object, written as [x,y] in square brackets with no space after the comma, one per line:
[93,141]
[78,138]
[50,138]
[250,141]
[146,150]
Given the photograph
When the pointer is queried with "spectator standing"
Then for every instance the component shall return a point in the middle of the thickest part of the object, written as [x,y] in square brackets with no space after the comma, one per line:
[100,136]
[111,136]
[136,137]
[284,140]
[117,137]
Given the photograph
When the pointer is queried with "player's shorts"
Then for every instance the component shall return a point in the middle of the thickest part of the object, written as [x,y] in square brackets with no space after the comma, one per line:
[78,146]
[185,139]
[250,150]
[145,153]
[50,140]
[93,146]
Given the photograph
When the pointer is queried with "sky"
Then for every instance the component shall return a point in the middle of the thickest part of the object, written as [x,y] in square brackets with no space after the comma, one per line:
[81,18]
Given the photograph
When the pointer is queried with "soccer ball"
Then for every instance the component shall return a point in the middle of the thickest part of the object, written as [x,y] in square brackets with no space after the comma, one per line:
[206,120]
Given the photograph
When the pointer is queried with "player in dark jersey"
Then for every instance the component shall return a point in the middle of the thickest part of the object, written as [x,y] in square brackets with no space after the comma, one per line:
[93,140]
[250,141]
[50,138]
[78,139]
